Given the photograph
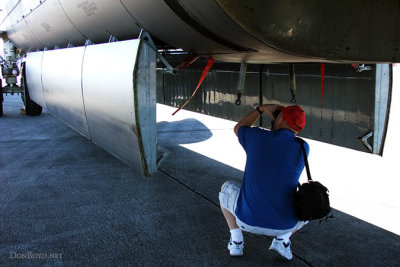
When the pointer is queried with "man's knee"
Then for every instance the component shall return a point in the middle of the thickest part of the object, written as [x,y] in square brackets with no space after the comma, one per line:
[224,184]
[233,184]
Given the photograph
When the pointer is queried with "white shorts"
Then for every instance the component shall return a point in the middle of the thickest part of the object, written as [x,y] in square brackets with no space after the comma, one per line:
[228,198]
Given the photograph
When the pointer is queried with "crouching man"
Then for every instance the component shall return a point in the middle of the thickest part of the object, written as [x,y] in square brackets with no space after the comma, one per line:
[264,203]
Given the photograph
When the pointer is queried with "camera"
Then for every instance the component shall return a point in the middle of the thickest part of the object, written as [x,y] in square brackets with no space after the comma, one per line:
[275,114]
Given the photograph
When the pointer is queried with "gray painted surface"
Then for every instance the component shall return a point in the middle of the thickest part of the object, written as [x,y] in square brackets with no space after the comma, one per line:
[62,194]
[355,30]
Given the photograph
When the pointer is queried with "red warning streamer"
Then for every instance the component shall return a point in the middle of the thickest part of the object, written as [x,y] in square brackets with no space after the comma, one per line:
[207,68]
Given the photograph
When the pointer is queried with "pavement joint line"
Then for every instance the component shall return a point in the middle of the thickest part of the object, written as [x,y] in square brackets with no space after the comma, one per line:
[212,202]
[188,187]
[303,260]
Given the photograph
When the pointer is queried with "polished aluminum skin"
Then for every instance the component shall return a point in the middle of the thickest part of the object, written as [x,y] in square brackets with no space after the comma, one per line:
[62,86]
[57,32]
[33,74]
[110,92]
[97,20]
[106,92]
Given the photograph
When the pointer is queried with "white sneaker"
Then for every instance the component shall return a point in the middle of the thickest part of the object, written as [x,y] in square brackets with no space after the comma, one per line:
[282,248]
[235,249]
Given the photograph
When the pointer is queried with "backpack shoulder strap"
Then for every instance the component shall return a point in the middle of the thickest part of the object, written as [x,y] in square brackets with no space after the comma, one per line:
[301,141]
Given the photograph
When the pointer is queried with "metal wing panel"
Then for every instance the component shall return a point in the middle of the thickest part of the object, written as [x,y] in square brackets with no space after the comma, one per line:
[350,30]
[27,7]
[153,14]
[33,74]
[12,34]
[211,16]
[61,78]
[26,40]
[50,25]
[97,20]
[13,10]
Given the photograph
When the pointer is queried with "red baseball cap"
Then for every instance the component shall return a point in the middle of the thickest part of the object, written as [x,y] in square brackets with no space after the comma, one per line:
[294,116]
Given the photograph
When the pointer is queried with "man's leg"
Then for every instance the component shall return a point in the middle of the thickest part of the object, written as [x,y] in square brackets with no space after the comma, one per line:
[281,243]
[235,244]
[236,232]
[230,219]
[285,237]
[228,200]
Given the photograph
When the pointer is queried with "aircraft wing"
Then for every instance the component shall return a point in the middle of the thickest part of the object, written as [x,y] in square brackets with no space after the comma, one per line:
[233,31]
[266,51]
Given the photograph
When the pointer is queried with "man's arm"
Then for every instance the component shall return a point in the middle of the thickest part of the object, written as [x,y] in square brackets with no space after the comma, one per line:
[252,116]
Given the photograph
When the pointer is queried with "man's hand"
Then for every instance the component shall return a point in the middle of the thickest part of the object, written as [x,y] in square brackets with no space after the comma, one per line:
[252,116]
[269,109]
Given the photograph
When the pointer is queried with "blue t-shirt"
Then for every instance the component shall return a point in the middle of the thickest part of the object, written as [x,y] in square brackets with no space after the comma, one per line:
[273,168]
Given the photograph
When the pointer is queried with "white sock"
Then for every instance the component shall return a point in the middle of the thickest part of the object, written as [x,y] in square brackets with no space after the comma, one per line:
[236,235]
[285,237]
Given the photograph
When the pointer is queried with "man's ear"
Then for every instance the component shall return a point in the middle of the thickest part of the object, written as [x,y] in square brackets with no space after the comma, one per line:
[236,128]
[287,126]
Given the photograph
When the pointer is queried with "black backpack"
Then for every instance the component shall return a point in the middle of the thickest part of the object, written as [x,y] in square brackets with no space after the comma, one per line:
[312,198]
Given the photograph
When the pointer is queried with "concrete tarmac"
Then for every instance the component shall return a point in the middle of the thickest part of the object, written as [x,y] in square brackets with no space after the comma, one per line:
[66,202]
